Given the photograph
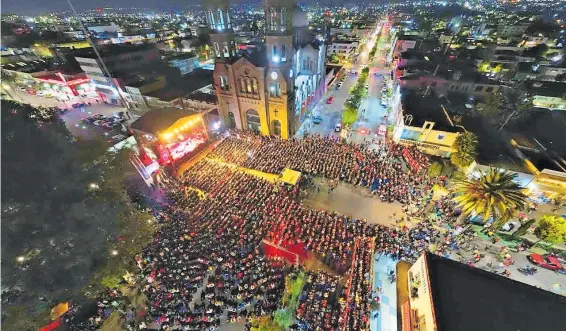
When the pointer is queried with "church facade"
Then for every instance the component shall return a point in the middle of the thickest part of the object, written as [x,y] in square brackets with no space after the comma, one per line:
[271,89]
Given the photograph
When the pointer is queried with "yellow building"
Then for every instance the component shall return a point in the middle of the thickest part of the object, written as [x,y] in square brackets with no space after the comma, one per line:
[445,295]
[427,127]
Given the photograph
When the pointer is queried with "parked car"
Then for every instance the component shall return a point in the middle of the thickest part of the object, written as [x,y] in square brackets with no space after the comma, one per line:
[339,85]
[330,100]
[78,105]
[549,262]
[317,119]
[338,127]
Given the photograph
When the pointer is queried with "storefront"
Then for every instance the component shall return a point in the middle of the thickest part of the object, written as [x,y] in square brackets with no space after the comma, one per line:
[66,87]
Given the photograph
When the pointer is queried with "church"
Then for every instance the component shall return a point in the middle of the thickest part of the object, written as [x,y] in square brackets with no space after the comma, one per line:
[271,89]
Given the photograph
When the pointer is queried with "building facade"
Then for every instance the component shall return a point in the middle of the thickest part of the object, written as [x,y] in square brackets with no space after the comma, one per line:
[343,48]
[268,90]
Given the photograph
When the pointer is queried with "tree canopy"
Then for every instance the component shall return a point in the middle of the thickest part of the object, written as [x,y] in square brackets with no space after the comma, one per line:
[62,209]
[494,194]
[466,150]
[551,229]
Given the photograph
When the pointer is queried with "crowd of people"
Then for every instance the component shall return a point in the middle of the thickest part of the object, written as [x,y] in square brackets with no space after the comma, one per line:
[206,264]
[359,290]
[321,302]
[379,168]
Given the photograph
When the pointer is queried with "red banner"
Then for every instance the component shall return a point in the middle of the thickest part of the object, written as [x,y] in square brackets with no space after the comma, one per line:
[411,162]
[272,250]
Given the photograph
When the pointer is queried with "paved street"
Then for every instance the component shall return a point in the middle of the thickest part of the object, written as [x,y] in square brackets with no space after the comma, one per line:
[353,201]
[371,112]
[544,278]
[386,319]
[73,116]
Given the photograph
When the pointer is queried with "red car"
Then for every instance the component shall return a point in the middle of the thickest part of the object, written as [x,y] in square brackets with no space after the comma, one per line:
[329,100]
[549,262]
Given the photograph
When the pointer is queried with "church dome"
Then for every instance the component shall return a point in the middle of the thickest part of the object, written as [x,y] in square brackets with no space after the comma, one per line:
[300,19]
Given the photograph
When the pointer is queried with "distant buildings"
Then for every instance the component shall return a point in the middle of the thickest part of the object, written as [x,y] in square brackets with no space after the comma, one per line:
[343,48]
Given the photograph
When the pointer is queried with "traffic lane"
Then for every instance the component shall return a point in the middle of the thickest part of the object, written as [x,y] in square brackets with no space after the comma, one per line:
[544,278]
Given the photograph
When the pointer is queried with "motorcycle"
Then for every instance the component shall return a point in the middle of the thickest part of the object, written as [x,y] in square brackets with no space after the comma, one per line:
[528,271]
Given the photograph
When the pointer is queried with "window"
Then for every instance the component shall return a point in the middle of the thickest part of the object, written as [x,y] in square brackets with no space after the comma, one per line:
[253,119]
[242,85]
[272,19]
[283,53]
[276,127]
[216,49]
[228,20]
[212,20]
[224,84]
[226,50]
[478,89]
[254,86]
[248,85]
[231,120]
[220,20]
[283,19]
[274,54]
[275,90]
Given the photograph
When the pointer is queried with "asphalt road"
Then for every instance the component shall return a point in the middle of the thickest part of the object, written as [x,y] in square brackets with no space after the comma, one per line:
[371,112]
[73,116]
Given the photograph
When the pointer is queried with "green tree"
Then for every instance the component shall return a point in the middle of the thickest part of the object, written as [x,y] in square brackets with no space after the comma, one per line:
[494,194]
[350,115]
[490,106]
[466,150]
[71,210]
[551,229]
[334,58]
[435,169]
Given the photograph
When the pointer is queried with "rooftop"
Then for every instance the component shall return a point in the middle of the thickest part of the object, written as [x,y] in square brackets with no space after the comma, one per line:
[181,86]
[40,65]
[159,119]
[550,89]
[202,96]
[427,109]
[113,50]
[471,299]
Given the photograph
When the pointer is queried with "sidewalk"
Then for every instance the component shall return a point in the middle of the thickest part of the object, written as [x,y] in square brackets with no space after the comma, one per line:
[387,313]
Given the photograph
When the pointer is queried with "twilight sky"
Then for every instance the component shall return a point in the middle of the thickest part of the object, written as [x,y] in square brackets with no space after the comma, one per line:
[42,6]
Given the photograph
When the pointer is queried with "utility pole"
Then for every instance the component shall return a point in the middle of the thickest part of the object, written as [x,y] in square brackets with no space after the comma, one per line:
[433,74]
[104,68]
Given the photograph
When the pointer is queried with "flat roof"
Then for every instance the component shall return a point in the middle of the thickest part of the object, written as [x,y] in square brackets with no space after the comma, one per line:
[427,109]
[471,299]
[160,119]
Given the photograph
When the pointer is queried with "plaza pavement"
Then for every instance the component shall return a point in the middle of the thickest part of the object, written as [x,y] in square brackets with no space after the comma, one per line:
[386,320]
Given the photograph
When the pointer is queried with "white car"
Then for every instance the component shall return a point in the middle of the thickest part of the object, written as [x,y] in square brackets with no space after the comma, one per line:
[339,85]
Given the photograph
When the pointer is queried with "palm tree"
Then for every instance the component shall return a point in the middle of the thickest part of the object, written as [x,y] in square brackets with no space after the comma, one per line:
[466,149]
[493,194]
